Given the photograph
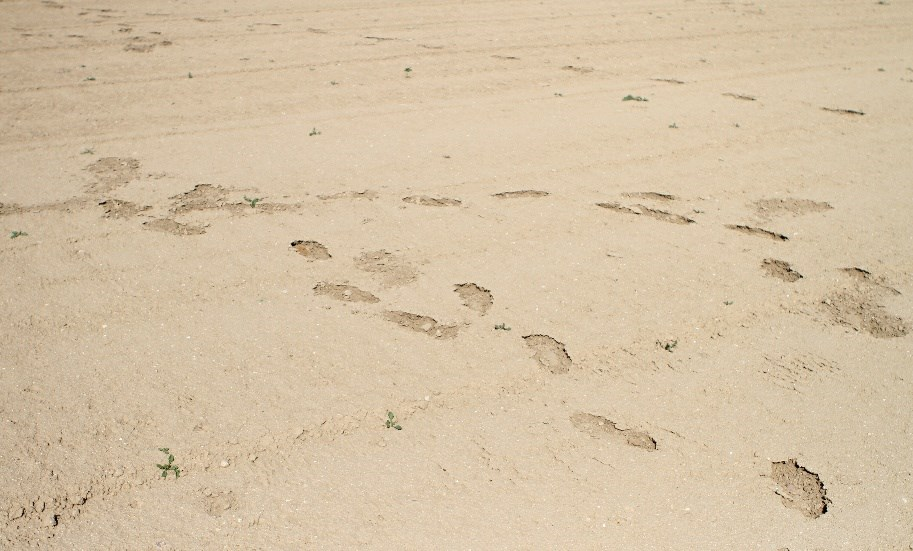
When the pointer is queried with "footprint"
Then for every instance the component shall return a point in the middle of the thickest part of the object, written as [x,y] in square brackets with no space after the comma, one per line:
[426,201]
[799,488]
[393,268]
[865,276]
[312,250]
[743,97]
[218,503]
[346,293]
[651,195]
[795,207]
[550,353]
[474,297]
[201,197]
[758,232]
[639,210]
[600,427]
[422,324]
[112,173]
[366,194]
[170,226]
[780,270]
[115,208]
[521,193]
[859,309]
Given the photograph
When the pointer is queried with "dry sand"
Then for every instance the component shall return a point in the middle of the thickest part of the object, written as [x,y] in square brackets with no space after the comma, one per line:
[703,299]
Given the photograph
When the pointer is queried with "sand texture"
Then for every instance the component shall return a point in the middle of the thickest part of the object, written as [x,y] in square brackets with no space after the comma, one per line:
[456,275]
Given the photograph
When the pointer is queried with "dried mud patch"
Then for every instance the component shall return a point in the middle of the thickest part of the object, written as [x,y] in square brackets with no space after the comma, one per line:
[757,232]
[550,353]
[168,225]
[600,427]
[799,488]
[312,250]
[201,197]
[346,293]
[780,269]
[427,201]
[422,324]
[474,297]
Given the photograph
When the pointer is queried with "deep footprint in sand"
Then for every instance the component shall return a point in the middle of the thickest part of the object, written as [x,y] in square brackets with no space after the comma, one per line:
[312,250]
[757,232]
[474,297]
[550,353]
[168,225]
[780,269]
[799,488]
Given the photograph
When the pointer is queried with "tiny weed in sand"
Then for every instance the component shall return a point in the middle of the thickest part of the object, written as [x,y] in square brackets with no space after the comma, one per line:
[252,202]
[559,95]
[673,125]
[170,466]
[314,132]
[502,327]
[629,97]
[189,75]
[407,70]
[16,233]
[90,78]
[392,423]
[668,346]
[727,302]
[87,151]
[333,83]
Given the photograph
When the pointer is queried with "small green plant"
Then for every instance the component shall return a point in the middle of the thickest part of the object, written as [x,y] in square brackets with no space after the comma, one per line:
[559,95]
[673,125]
[252,201]
[727,302]
[333,83]
[629,97]
[170,466]
[189,75]
[392,423]
[314,132]
[407,70]
[90,78]
[16,233]
[502,327]
[668,346]
[87,151]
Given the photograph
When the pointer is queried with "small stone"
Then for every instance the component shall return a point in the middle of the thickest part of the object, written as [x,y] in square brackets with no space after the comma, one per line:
[50,520]
[224,463]
[427,327]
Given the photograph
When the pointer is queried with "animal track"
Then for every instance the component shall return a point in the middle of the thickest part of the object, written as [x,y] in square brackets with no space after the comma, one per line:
[600,427]
[218,503]
[346,293]
[780,270]
[474,297]
[422,324]
[426,201]
[550,353]
[519,194]
[858,309]
[312,250]
[393,268]
[799,488]
[170,226]
[639,210]
[757,232]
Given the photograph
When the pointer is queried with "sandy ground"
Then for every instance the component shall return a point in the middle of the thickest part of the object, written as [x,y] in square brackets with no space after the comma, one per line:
[252,229]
